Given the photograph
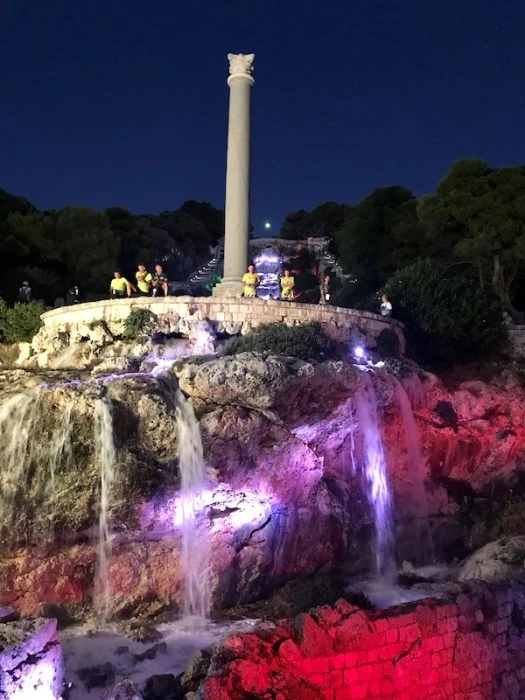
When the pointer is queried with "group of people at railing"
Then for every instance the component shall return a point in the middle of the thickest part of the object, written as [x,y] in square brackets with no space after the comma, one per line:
[251,282]
[287,285]
[146,284]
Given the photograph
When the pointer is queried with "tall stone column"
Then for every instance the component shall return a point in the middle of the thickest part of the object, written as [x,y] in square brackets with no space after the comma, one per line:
[237,223]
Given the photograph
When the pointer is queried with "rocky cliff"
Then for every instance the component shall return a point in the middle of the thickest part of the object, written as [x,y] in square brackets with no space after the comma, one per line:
[285,492]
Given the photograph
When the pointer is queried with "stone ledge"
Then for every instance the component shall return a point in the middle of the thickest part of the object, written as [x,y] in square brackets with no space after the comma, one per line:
[247,312]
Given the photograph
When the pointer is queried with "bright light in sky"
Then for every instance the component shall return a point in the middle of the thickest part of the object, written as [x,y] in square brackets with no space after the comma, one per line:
[267,224]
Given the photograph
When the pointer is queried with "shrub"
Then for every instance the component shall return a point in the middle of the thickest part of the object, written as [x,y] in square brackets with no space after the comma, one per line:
[446,317]
[388,343]
[20,323]
[306,341]
[138,323]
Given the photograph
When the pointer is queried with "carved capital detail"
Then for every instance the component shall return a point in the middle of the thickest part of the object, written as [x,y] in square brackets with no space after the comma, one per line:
[241,65]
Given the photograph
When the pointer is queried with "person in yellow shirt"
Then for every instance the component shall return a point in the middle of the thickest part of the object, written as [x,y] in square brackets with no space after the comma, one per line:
[250,281]
[144,280]
[119,286]
[287,285]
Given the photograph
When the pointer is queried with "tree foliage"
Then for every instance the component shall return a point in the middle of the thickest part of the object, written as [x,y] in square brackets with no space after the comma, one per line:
[382,234]
[322,222]
[447,317]
[57,249]
[477,216]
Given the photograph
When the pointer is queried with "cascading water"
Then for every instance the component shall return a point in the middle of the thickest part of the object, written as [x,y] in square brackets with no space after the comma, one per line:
[416,463]
[376,479]
[105,455]
[195,555]
[194,483]
[30,457]
[36,440]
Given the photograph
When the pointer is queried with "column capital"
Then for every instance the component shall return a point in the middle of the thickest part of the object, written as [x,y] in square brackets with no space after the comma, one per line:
[241,66]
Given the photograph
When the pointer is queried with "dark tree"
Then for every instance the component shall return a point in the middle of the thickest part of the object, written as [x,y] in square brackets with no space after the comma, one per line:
[477,217]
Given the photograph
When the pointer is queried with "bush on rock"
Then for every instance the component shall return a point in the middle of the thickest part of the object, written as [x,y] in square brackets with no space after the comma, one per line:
[20,323]
[138,323]
[306,342]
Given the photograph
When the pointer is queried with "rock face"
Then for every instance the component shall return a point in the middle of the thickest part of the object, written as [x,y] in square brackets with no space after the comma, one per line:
[31,660]
[284,458]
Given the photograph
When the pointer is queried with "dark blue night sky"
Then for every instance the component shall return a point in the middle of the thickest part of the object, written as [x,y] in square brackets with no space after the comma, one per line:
[125,103]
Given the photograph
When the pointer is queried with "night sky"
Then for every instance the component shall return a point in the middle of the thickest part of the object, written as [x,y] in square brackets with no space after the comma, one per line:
[113,102]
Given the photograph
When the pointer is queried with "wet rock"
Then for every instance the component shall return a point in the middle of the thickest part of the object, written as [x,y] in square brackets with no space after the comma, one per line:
[116,365]
[502,559]
[196,669]
[97,676]
[163,687]
[8,615]
[151,653]
[125,689]
[140,631]
[66,615]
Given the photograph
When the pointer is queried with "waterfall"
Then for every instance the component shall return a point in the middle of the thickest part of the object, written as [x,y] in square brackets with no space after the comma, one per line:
[36,442]
[416,463]
[31,454]
[376,474]
[105,455]
[195,554]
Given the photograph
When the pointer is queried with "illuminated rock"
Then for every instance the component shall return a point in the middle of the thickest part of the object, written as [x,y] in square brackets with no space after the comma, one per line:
[31,660]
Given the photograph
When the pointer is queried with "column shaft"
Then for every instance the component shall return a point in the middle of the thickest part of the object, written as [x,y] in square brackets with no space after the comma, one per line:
[237,214]
[237,211]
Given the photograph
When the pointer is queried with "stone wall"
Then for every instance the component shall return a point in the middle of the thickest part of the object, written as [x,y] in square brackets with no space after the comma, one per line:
[229,315]
[469,646]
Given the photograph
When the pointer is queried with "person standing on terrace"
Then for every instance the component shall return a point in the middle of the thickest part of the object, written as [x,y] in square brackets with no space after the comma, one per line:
[250,281]
[386,306]
[287,286]
[144,280]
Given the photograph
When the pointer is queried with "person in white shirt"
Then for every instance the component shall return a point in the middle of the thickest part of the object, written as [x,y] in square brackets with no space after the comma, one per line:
[386,306]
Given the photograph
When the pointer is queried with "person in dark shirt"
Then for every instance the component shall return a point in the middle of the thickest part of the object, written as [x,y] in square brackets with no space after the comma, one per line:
[24,293]
[159,281]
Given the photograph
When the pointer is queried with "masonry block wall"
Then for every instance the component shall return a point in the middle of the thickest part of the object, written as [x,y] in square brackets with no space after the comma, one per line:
[471,646]
[230,315]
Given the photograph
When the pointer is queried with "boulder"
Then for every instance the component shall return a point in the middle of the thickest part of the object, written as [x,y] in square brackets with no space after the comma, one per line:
[292,388]
[502,559]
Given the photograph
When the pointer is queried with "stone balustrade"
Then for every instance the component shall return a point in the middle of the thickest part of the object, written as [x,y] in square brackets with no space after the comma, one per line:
[229,315]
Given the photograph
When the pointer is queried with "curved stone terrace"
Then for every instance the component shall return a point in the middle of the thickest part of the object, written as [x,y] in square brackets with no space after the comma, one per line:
[228,314]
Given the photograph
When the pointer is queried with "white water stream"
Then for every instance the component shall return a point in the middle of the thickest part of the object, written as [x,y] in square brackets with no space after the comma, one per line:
[196,551]
[376,473]
[106,458]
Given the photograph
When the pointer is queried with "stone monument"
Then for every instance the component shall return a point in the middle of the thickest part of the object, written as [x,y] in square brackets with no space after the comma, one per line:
[237,214]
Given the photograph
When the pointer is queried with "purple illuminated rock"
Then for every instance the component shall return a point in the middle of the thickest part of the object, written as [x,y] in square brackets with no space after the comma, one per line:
[31,660]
